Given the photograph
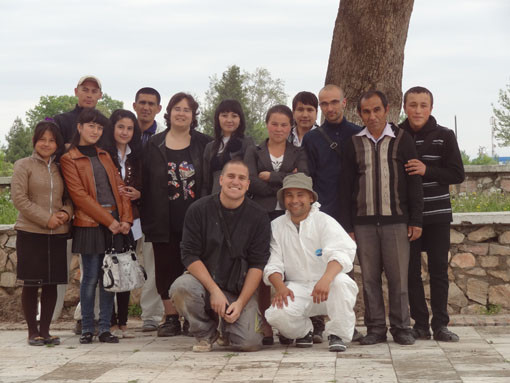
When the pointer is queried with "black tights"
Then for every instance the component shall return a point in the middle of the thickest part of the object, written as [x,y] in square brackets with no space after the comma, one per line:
[29,303]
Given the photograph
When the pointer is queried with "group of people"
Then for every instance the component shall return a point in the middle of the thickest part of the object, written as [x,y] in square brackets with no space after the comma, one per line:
[220,221]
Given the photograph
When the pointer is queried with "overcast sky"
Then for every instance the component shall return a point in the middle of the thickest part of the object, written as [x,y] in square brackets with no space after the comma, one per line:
[459,49]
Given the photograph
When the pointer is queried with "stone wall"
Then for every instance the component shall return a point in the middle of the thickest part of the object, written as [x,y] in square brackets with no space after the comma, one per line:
[479,266]
[484,178]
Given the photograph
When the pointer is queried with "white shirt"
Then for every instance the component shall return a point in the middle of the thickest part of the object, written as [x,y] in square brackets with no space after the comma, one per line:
[386,132]
[122,161]
[303,255]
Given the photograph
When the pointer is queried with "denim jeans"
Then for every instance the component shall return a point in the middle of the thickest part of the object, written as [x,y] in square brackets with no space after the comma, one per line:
[92,274]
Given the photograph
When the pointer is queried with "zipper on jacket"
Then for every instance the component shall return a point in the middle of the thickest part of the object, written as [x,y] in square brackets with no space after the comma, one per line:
[51,191]
[377,177]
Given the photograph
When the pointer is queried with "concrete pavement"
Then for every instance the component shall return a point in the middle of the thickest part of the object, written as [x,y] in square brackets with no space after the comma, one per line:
[482,355]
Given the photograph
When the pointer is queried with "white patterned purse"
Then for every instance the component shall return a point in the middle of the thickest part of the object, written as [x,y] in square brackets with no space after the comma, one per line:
[122,272]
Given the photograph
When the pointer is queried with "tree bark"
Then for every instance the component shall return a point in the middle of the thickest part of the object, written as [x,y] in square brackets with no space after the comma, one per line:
[367,51]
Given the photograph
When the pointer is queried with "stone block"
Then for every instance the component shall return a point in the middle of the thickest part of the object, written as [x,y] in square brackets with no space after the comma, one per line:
[8,279]
[477,290]
[508,262]
[451,276]
[3,239]
[9,266]
[426,289]
[488,260]
[478,249]
[3,259]
[456,237]
[75,262]
[463,260]
[496,249]
[357,269]
[482,234]
[478,271]
[455,296]
[72,296]
[505,184]
[498,295]
[504,238]
[11,242]
[501,274]
[14,258]
[449,256]
[485,180]
[474,309]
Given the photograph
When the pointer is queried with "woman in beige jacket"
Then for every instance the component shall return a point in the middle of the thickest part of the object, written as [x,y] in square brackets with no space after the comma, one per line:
[37,191]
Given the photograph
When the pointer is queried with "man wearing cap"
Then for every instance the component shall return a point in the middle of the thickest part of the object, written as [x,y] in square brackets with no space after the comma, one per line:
[89,93]
[225,246]
[311,255]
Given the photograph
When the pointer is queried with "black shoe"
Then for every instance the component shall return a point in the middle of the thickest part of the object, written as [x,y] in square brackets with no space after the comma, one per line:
[445,335]
[356,336]
[420,333]
[336,344]
[404,337]
[170,327]
[284,340]
[372,338]
[86,338]
[318,328]
[306,341]
[107,337]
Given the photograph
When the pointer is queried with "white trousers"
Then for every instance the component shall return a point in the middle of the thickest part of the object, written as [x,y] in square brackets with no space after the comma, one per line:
[293,321]
[150,300]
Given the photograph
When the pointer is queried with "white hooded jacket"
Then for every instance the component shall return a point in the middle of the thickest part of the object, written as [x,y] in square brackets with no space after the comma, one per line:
[303,256]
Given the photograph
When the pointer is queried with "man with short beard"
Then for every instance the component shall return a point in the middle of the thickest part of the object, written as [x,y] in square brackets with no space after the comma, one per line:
[225,246]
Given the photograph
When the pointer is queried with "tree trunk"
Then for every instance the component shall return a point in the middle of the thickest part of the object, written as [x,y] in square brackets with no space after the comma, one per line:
[367,51]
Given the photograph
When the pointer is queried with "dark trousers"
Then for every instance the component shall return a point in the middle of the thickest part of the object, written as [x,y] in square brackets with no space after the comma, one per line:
[435,240]
[120,317]
[384,247]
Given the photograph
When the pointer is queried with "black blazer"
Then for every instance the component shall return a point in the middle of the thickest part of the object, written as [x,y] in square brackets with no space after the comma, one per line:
[258,160]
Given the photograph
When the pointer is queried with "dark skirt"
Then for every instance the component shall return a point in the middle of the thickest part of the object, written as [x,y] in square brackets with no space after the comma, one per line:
[41,258]
[95,240]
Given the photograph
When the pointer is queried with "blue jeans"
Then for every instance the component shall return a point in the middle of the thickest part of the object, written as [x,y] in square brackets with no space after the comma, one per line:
[92,274]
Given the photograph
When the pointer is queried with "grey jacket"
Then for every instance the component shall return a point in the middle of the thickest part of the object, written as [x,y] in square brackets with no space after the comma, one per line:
[258,160]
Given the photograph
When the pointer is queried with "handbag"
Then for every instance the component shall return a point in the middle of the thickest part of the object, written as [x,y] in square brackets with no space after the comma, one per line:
[121,270]
[239,269]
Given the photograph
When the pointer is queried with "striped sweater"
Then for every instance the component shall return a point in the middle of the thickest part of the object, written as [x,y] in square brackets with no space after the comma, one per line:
[438,149]
[374,186]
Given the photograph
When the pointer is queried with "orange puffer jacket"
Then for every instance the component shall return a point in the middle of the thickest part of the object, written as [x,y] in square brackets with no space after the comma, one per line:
[79,177]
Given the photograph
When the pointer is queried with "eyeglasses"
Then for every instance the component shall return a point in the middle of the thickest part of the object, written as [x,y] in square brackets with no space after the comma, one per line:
[333,103]
[178,109]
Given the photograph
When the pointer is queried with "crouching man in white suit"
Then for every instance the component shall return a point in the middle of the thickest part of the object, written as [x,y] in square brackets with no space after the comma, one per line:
[310,257]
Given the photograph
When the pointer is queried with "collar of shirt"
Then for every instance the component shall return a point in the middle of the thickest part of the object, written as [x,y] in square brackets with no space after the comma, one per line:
[386,132]
[149,132]
[122,160]
[294,138]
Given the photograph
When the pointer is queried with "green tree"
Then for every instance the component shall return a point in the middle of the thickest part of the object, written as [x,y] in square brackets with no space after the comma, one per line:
[502,117]
[5,166]
[19,141]
[483,158]
[230,86]
[465,157]
[49,106]
[256,92]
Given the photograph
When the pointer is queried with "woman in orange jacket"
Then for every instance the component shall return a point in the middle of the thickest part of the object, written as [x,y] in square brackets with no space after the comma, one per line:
[100,212]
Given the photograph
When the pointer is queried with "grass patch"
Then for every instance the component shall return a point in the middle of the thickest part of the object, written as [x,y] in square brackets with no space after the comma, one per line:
[134,310]
[479,202]
[490,309]
[8,212]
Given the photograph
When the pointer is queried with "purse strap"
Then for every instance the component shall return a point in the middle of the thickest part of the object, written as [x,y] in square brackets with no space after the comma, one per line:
[224,227]
[332,144]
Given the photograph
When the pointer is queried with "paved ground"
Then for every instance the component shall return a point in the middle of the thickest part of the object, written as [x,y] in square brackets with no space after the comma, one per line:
[482,355]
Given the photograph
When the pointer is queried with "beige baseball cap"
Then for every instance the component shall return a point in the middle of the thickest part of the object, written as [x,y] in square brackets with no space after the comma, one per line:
[89,78]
